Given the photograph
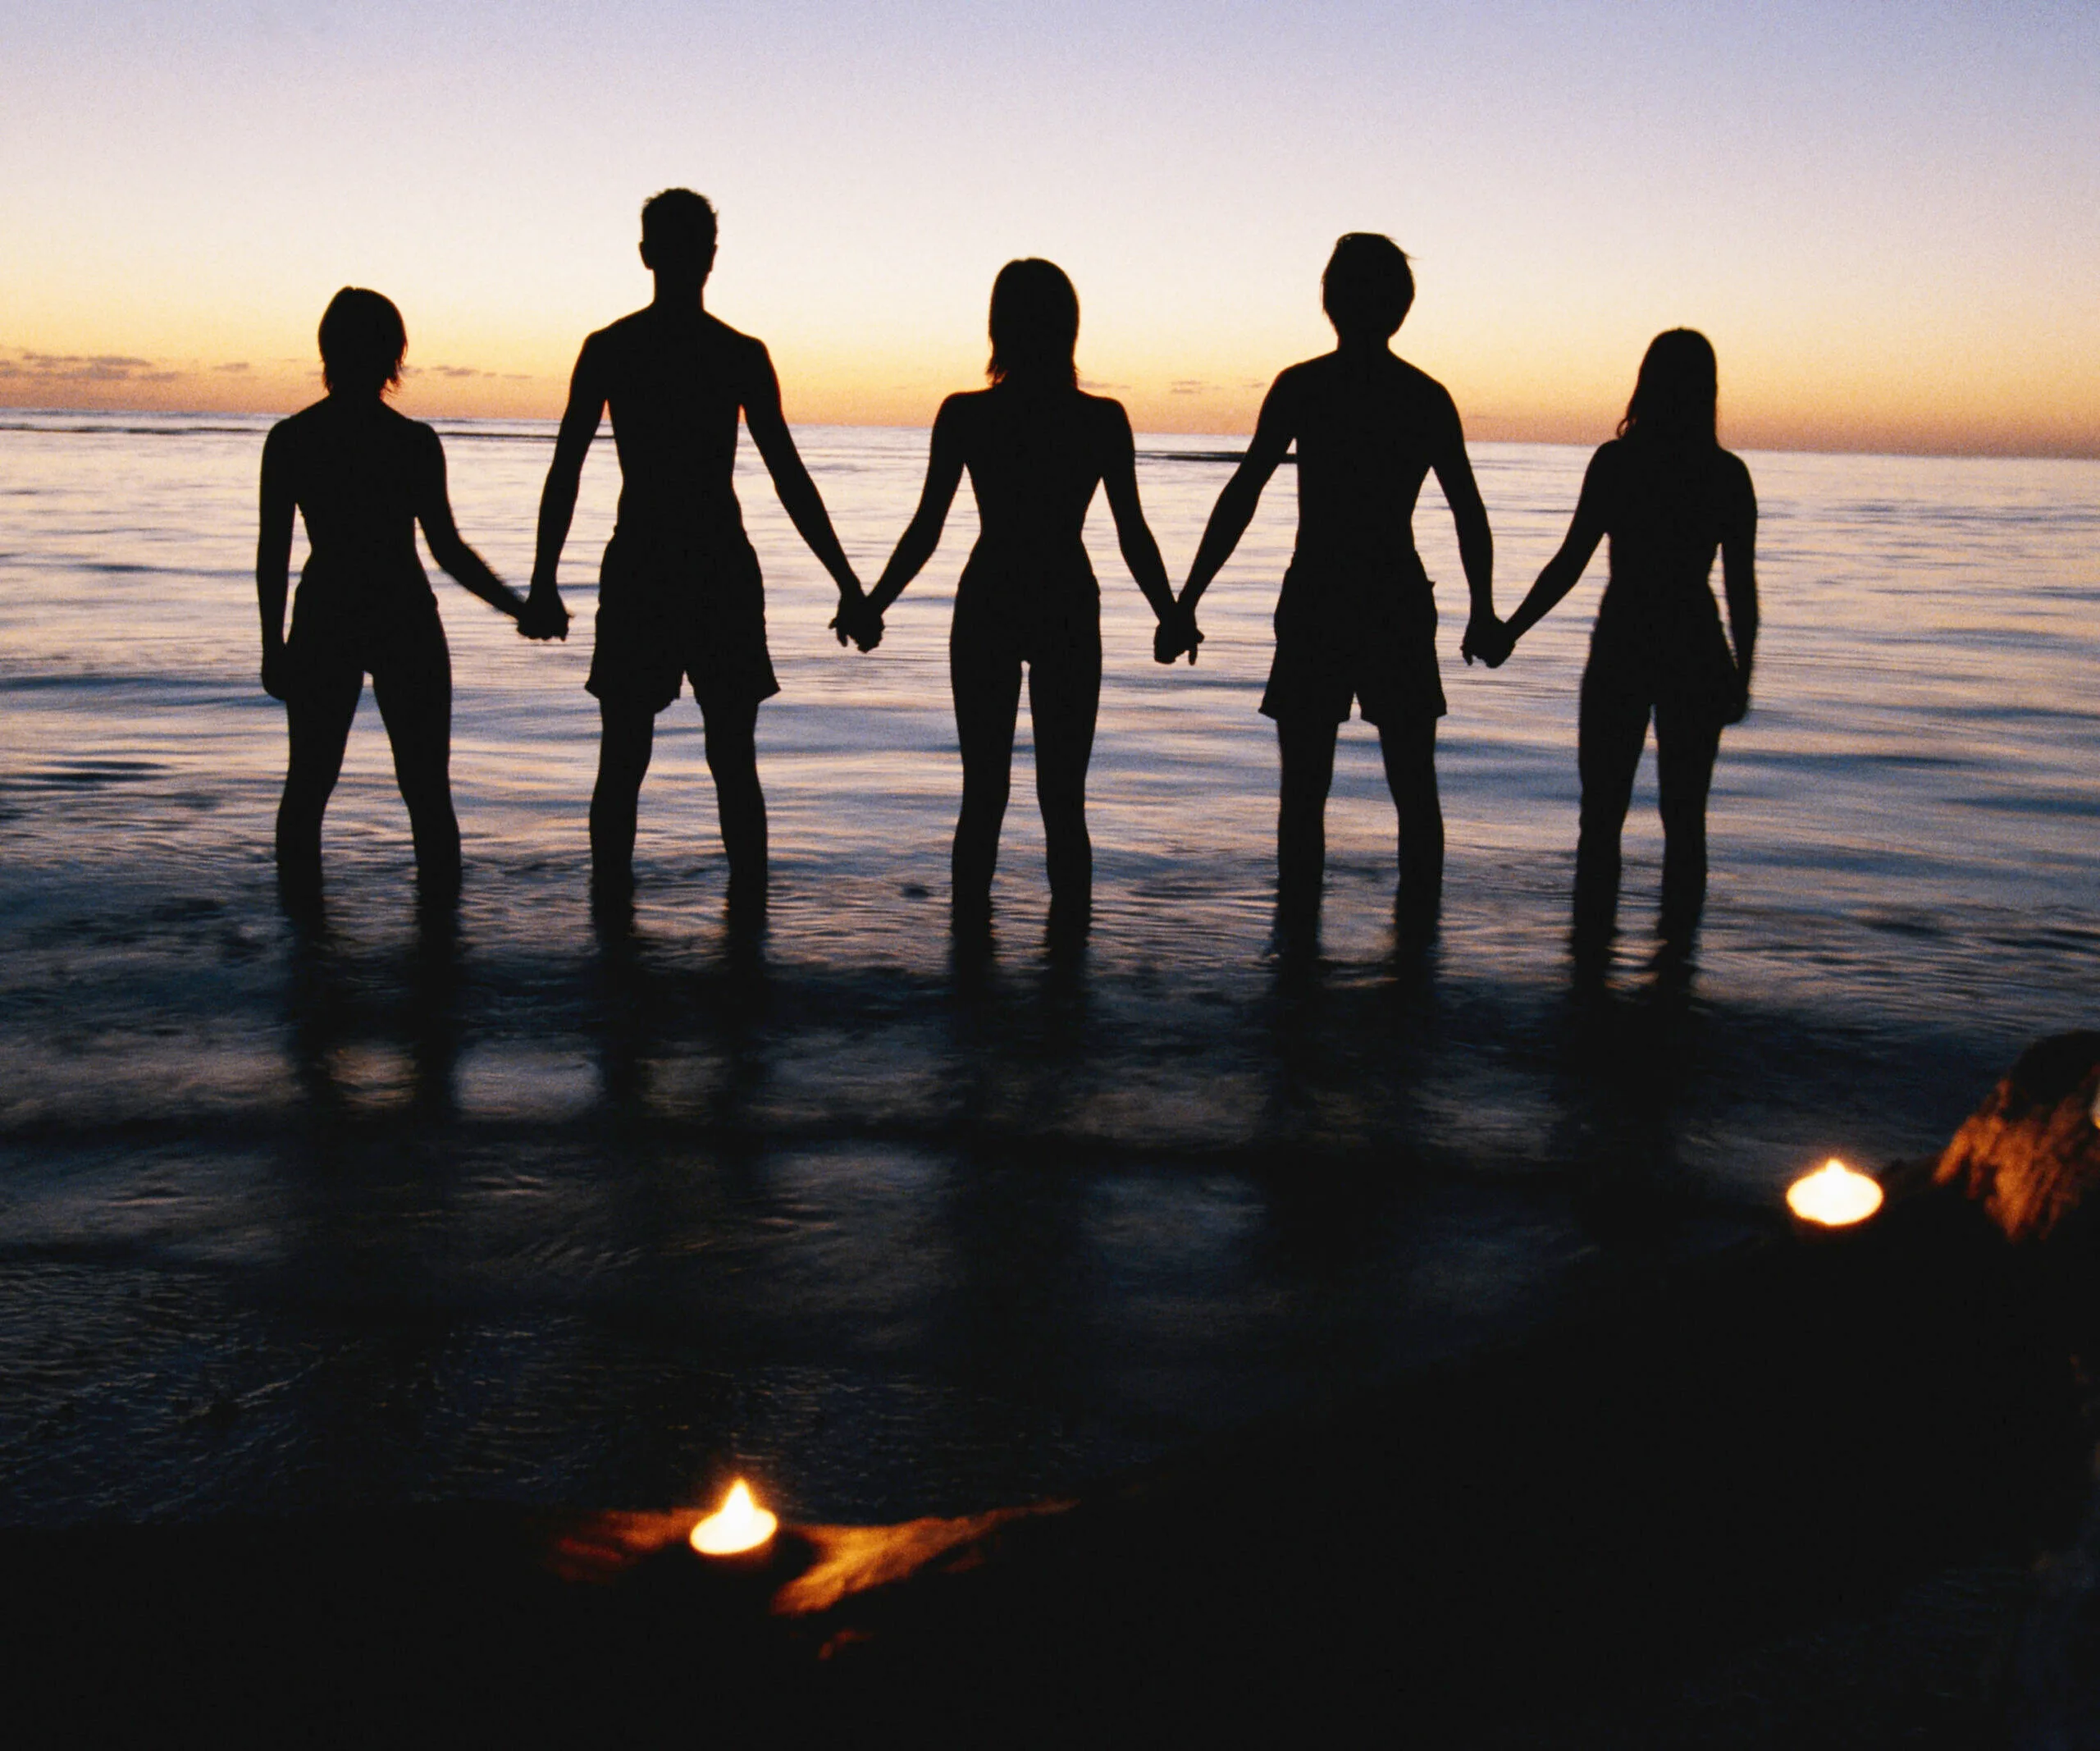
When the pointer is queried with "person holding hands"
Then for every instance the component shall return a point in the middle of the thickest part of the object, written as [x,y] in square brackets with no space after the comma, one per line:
[364,476]
[1669,496]
[1356,623]
[679,597]
[1035,446]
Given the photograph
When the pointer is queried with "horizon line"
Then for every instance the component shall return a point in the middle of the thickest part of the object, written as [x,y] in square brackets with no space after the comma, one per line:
[1992,453]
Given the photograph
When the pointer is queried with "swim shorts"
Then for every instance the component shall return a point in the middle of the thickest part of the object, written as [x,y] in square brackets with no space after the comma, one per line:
[1348,634]
[344,628]
[669,613]
[1051,621]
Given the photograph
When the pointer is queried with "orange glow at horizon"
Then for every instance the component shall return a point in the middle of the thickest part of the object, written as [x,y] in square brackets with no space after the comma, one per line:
[1890,235]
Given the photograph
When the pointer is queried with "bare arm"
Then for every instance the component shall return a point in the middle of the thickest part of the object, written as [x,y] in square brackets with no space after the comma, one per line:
[1119,479]
[434,511]
[1234,510]
[579,425]
[1739,583]
[1455,474]
[922,535]
[273,559]
[799,496]
[1565,567]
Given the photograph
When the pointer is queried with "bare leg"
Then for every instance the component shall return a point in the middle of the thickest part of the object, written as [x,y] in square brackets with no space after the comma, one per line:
[739,802]
[415,701]
[986,682]
[318,715]
[1307,748]
[1685,748]
[627,736]
[1613,726]
[1064,698]
[1409,750]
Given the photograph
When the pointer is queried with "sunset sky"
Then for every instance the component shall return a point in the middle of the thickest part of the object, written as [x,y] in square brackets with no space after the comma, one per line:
[1887,217]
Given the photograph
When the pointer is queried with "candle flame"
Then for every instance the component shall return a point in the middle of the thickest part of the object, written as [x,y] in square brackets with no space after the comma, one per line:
[1833,1196]
[739,1523]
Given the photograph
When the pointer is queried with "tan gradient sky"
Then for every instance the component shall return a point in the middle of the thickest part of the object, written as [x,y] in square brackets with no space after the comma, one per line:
[1887,217]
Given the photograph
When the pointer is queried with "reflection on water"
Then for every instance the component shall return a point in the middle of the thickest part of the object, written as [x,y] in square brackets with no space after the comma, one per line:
[558,1210]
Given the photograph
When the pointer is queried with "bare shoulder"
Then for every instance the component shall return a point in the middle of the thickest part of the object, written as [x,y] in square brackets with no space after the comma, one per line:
[961,412]
[744,355]
[616,336]
[1423,397]
[1295,383]
[1107,416]
[420,437]
[1736,489]
[292,430]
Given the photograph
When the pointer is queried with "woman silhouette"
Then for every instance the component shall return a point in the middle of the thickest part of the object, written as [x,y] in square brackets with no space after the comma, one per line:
[364,476]
[1036,447]
[1668,495]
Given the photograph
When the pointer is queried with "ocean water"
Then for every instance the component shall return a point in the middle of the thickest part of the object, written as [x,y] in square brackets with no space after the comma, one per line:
[291,1220]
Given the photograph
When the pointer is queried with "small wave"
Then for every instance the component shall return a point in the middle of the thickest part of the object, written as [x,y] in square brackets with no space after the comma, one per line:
[1232,458]
[73,774]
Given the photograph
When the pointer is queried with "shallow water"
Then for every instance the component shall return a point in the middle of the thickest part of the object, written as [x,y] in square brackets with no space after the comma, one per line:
[348,1217]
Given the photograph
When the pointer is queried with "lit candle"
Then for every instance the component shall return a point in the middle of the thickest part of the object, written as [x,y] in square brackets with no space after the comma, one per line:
[737,1528]
[1834,1196]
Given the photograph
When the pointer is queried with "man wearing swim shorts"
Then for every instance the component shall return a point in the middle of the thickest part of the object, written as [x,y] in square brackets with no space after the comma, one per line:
[1356,624]
[680,598]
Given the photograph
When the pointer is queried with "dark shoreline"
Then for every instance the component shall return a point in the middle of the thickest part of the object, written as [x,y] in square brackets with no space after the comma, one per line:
[1731,1496]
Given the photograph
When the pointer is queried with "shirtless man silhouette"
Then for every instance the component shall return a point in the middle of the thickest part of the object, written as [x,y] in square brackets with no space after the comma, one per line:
[1356,620]
[680,596]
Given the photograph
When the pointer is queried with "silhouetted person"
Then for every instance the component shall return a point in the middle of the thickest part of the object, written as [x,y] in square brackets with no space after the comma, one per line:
[1668,495]
[364,476]
[679,594]
[1036,447]
[1356,619]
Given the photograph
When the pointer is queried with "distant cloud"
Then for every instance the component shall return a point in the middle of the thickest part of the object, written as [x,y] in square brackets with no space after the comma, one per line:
[84,368]
[1093,388]
[1190,386]
[238,364]
[454,371]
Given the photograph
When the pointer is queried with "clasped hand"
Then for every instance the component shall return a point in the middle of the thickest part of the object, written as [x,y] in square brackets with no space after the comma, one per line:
[1176,632]
[1489,639]
[543,616]
[859,620]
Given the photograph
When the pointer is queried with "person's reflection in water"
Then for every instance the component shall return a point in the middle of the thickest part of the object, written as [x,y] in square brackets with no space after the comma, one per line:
[432,1018]
[661,1037]
[337,1010]
[316,998]
[1668,496]
[1036,447]
[624,1000]
[1626,1061]
[1356,623]
[364,476]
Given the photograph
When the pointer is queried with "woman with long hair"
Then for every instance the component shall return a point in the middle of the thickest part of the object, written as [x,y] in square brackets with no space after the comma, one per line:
[1669,496]
[364,476]
[1036,447]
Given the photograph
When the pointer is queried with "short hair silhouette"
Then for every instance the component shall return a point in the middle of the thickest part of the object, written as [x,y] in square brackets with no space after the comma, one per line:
[1367,284]
[1675,397]
[363,342]
[1034,324]
[680,220]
